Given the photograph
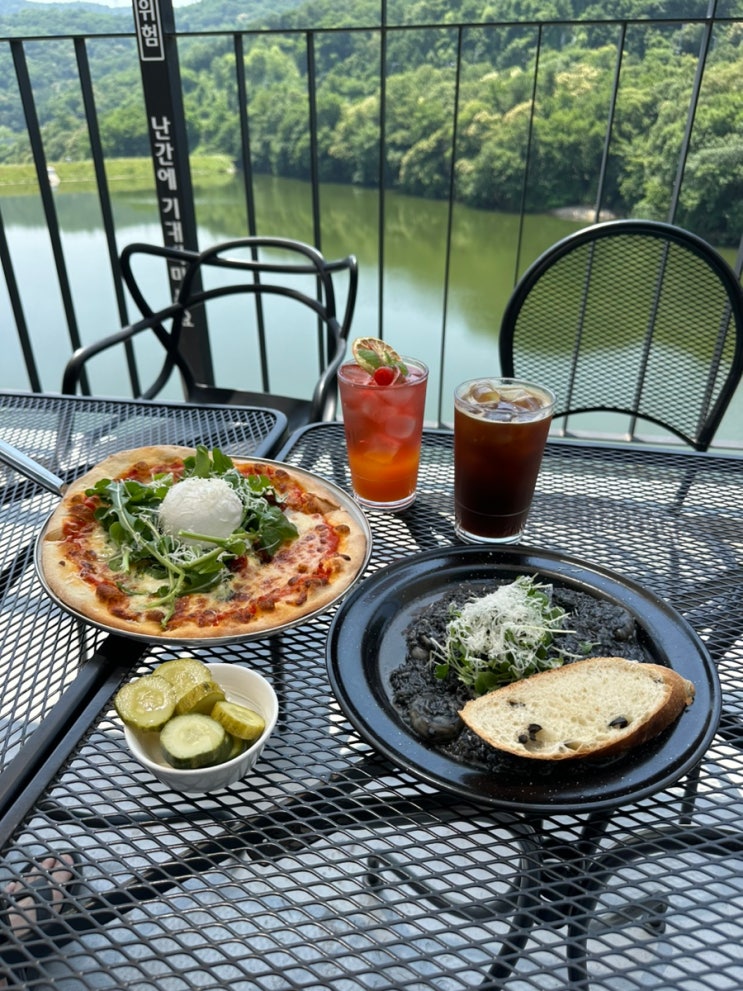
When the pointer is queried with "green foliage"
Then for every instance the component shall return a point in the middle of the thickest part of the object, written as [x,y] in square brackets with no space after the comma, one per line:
[525,94]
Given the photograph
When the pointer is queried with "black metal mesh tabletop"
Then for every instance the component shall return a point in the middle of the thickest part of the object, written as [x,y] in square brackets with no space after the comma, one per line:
[331,868]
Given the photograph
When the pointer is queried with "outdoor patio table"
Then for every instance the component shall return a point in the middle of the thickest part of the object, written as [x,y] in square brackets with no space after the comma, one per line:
[336,867]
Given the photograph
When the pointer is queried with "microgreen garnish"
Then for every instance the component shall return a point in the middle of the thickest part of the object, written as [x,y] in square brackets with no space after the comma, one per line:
[129,511]
[502,637]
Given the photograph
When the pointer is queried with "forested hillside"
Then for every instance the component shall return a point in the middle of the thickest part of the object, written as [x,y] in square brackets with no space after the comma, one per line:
[525,62]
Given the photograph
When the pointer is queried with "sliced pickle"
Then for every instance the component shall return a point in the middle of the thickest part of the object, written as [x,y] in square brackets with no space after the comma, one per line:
[236,748]
[238,720]
[200,698]
[194,740]
[147,703]
[183,673]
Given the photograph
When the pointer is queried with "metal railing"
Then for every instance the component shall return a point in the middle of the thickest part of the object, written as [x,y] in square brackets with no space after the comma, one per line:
[236,41]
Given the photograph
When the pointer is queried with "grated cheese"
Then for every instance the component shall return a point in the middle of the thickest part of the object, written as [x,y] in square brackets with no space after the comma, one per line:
[502,636]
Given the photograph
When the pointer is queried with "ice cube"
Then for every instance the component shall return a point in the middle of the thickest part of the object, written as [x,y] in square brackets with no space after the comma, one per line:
[369,407]
[394,398]
[522,399]
[381,449]
[401,427]
[500,412]
[484,392]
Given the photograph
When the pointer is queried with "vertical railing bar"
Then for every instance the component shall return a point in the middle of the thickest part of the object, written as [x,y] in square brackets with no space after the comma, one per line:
[17,307]
[245,146]
[649,332]
[104,199]
[525,183]
[565,425]
[449,226]
[245,143]
[312,111]
[323,344]
[693,103]
[588,275]
[724,325]
[382,161]
[37,150]
[673,206]
[604,167]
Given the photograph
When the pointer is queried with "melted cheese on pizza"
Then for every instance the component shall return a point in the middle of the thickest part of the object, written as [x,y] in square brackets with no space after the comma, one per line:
[250,584]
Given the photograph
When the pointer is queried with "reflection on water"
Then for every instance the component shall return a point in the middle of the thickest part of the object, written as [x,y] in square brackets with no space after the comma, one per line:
[455,333]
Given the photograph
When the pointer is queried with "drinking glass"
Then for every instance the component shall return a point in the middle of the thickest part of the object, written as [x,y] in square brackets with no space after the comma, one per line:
[500,429]
[383,424]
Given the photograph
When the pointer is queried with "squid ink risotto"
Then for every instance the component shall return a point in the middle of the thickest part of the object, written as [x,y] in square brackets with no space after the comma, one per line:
[437,679]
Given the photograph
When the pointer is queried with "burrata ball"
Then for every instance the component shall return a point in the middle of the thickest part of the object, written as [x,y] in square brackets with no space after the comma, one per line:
[209,506]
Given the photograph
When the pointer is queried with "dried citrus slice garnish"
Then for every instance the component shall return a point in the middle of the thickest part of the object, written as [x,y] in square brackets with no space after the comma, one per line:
[370,353]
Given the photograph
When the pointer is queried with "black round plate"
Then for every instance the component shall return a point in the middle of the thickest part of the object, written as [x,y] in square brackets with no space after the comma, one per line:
[366,643]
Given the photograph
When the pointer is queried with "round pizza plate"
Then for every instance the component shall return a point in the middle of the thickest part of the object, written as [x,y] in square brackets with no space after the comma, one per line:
[366,644]
[344,500]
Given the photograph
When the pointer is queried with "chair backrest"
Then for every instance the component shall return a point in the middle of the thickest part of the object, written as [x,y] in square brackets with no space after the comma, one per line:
[634,317]
[259,268]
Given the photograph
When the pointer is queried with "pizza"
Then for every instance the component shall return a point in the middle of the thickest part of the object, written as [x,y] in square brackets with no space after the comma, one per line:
[168,542]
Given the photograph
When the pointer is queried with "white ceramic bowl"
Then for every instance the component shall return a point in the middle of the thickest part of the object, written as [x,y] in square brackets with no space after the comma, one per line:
[240,685]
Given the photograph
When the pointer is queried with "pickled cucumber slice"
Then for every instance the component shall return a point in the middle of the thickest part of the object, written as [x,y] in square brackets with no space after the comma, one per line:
[371,353]
[194,740]
[236,748]
[183,673]
[238,720]
[146,703]
[200,698]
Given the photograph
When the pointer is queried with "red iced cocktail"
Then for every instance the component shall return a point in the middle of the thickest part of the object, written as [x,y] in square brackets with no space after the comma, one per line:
[383,417]
[500,429]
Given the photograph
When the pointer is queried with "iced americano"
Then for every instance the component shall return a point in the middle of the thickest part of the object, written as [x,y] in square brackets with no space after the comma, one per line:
[500,429]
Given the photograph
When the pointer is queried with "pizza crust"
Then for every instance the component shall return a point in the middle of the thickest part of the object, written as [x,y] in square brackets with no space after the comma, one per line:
[62,575]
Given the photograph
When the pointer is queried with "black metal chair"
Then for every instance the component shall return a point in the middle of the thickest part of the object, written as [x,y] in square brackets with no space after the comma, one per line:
[631,317]
[268,270]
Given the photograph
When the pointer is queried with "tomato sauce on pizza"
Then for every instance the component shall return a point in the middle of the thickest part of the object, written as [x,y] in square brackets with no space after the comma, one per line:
[167,542]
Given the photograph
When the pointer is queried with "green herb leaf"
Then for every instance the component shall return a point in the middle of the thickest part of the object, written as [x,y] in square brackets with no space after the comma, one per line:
[201,465]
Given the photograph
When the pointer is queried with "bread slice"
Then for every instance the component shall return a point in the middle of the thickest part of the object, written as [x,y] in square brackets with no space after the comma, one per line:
[593,708]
